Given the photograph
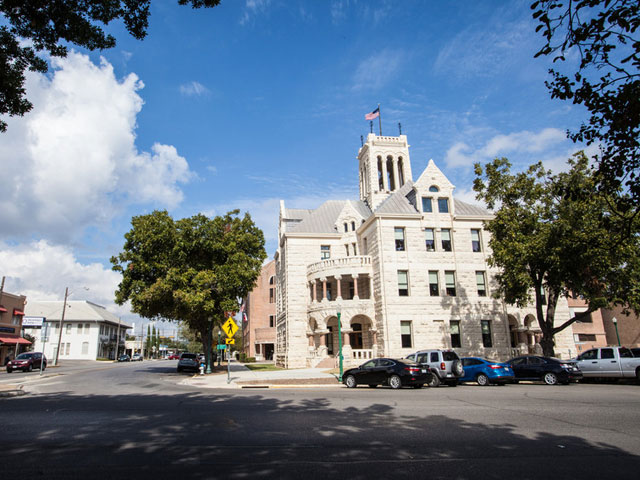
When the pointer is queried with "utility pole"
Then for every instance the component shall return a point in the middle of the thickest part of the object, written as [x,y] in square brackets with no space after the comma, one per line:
[117,340]
[64,308]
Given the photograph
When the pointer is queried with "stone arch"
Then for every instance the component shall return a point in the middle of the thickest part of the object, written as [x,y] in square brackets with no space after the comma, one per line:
[380,174]
[362,334]
[514,327]
[391,176]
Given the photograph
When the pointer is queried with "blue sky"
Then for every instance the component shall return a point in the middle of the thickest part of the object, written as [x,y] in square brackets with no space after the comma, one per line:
[256,101]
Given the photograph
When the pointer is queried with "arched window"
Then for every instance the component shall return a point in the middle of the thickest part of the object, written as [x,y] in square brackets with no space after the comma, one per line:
[391,178]
[433,188]
[272,290]
[380,175]
[353,226]
[400,172]
[346,228]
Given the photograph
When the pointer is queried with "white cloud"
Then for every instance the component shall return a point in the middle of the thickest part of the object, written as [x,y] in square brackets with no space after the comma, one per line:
[546,145]
[72,162]
[194,89]
[252,9]
[42,271]
[378,70]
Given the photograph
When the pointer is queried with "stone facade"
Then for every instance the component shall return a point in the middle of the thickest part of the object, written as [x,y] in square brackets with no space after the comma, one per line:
[405,267]
[258,326]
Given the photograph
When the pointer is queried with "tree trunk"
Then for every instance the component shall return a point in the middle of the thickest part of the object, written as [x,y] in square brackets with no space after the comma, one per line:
[546,325]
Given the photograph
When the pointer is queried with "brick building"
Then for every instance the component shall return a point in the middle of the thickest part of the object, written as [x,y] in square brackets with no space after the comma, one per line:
[11,315]
[258,331]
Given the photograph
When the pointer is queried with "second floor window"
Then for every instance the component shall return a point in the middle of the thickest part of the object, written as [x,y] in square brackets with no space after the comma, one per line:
[434,288]
[429,240]
[475,240]
[399,237]
[403,283]
[481,284]
[325,252]
[427,207]
[443,205]
[446,239]
[450,283]
[272,321]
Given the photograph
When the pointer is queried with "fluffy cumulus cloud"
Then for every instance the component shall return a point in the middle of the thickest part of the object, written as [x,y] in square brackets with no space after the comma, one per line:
[42,271]
[72,162]
[547,145]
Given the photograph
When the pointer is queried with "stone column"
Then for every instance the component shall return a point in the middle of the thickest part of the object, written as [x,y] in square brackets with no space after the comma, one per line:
[385,179]
[313,286]
[339,282]
[324,289]
[347,352]
[370,287]
[374,340]
[355,286]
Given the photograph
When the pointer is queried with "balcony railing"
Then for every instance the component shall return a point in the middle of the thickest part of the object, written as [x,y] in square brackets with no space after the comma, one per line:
[362,354]
[359,262]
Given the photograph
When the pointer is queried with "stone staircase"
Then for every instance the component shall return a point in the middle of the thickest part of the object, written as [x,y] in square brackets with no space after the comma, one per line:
[327,362]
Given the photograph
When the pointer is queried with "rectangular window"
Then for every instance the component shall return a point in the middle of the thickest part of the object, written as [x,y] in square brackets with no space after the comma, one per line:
[450,283]
[346,247]
[454,327]
[68,328]
[85,348]
[79,329]
[480,283]
[355,252]
[434,288]
[405,333]
[475,240]
[325,252]
[426,205]
[586,337]
[68,348]
[429,240]
[486,334]
[272,295]
[443,205]
[403,283]
[399,236]
[272,321]
[87,326]
[446,239]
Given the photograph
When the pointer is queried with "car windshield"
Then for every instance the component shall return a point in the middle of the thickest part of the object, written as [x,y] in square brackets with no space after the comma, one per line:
[449,356]
[24,356]
[189,355]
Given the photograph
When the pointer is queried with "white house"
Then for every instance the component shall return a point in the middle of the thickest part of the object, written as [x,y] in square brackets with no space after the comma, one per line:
[406,267]
[89,331]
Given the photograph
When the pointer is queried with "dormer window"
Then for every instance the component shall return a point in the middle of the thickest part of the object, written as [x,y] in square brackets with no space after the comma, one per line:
[346,228]
[353,226]
[433,188]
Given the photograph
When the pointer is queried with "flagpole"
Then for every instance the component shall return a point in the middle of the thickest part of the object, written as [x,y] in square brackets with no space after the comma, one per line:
[380,119]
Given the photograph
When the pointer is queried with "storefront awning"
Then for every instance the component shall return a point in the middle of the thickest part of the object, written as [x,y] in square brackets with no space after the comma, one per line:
[18,312]
[2,309]
[14,340]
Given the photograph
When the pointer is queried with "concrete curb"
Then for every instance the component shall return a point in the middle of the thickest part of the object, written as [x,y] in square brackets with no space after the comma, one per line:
[12,391]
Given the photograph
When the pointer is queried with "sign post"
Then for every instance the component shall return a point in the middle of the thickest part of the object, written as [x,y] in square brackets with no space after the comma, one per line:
[230,328]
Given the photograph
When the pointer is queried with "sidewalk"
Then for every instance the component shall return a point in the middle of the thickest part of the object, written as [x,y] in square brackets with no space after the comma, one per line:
[243,377]
[11,390]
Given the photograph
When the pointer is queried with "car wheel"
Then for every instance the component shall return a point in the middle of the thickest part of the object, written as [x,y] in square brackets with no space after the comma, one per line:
[482,379]
[350,381]
[43,367]
[456,368]
[9,370]
[373,385]
[395,382]
[179,370]
[638,374]
[550,378]
[30,368]
[435,380]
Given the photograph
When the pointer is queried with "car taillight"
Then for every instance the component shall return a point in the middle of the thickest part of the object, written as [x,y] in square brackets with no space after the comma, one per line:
[443,366]
[495,367]
[412,369]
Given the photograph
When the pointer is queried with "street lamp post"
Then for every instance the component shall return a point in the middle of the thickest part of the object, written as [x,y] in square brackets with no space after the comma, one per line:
[615,324]
[340,345]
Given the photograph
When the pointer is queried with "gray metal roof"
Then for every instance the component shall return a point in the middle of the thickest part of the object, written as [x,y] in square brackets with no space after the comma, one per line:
[467,209]
[323,218]
[78,310]
[397,202]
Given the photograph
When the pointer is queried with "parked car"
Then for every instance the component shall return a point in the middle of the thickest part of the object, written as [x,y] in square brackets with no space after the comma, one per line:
[387,371]
[137,357]
[174,356]
[27,361]
[188,361]
[609,362]
[485,372]
[547,369]
[444,364]
[636,352]
[124,358]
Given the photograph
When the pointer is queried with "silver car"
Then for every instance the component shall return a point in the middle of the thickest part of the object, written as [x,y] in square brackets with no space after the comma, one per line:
[188,361]
[445,365]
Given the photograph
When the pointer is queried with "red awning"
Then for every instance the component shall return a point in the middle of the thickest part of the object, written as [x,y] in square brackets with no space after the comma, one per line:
[18,312]
[14,340]
[2,309]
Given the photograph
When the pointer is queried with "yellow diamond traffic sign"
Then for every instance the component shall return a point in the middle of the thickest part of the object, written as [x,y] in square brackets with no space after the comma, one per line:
[230,341]
[230,327]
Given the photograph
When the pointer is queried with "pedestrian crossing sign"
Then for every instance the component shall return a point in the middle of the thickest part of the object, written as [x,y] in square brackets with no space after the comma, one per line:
[230,327]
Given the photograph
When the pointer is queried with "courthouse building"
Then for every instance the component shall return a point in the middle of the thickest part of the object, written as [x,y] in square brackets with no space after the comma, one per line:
[405,266]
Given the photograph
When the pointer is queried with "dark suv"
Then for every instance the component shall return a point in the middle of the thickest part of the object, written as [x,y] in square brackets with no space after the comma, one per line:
[27,361]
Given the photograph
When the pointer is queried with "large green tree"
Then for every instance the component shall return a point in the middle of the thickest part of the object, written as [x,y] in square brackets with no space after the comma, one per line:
[28,28]
[551,238]
[191,270]
[603,36]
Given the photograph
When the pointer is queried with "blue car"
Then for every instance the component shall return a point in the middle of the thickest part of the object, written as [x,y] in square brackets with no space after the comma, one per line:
[485,372]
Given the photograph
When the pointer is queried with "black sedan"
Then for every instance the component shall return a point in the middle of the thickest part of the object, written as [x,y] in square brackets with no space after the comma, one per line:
[547,369]
[387,371]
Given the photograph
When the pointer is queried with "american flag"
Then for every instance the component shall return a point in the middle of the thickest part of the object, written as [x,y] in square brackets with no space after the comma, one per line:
[372,115]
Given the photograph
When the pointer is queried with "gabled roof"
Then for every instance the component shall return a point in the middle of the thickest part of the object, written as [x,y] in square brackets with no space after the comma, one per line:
[323,218]
[77,310]
[468,210]
[397,202]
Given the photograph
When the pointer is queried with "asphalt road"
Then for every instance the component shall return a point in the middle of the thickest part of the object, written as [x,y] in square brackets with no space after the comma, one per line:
[133,421]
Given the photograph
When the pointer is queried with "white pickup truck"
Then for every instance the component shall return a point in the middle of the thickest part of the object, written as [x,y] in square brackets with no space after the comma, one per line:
[609,362]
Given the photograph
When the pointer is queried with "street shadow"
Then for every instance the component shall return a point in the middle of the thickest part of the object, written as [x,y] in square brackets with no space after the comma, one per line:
[202,436]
